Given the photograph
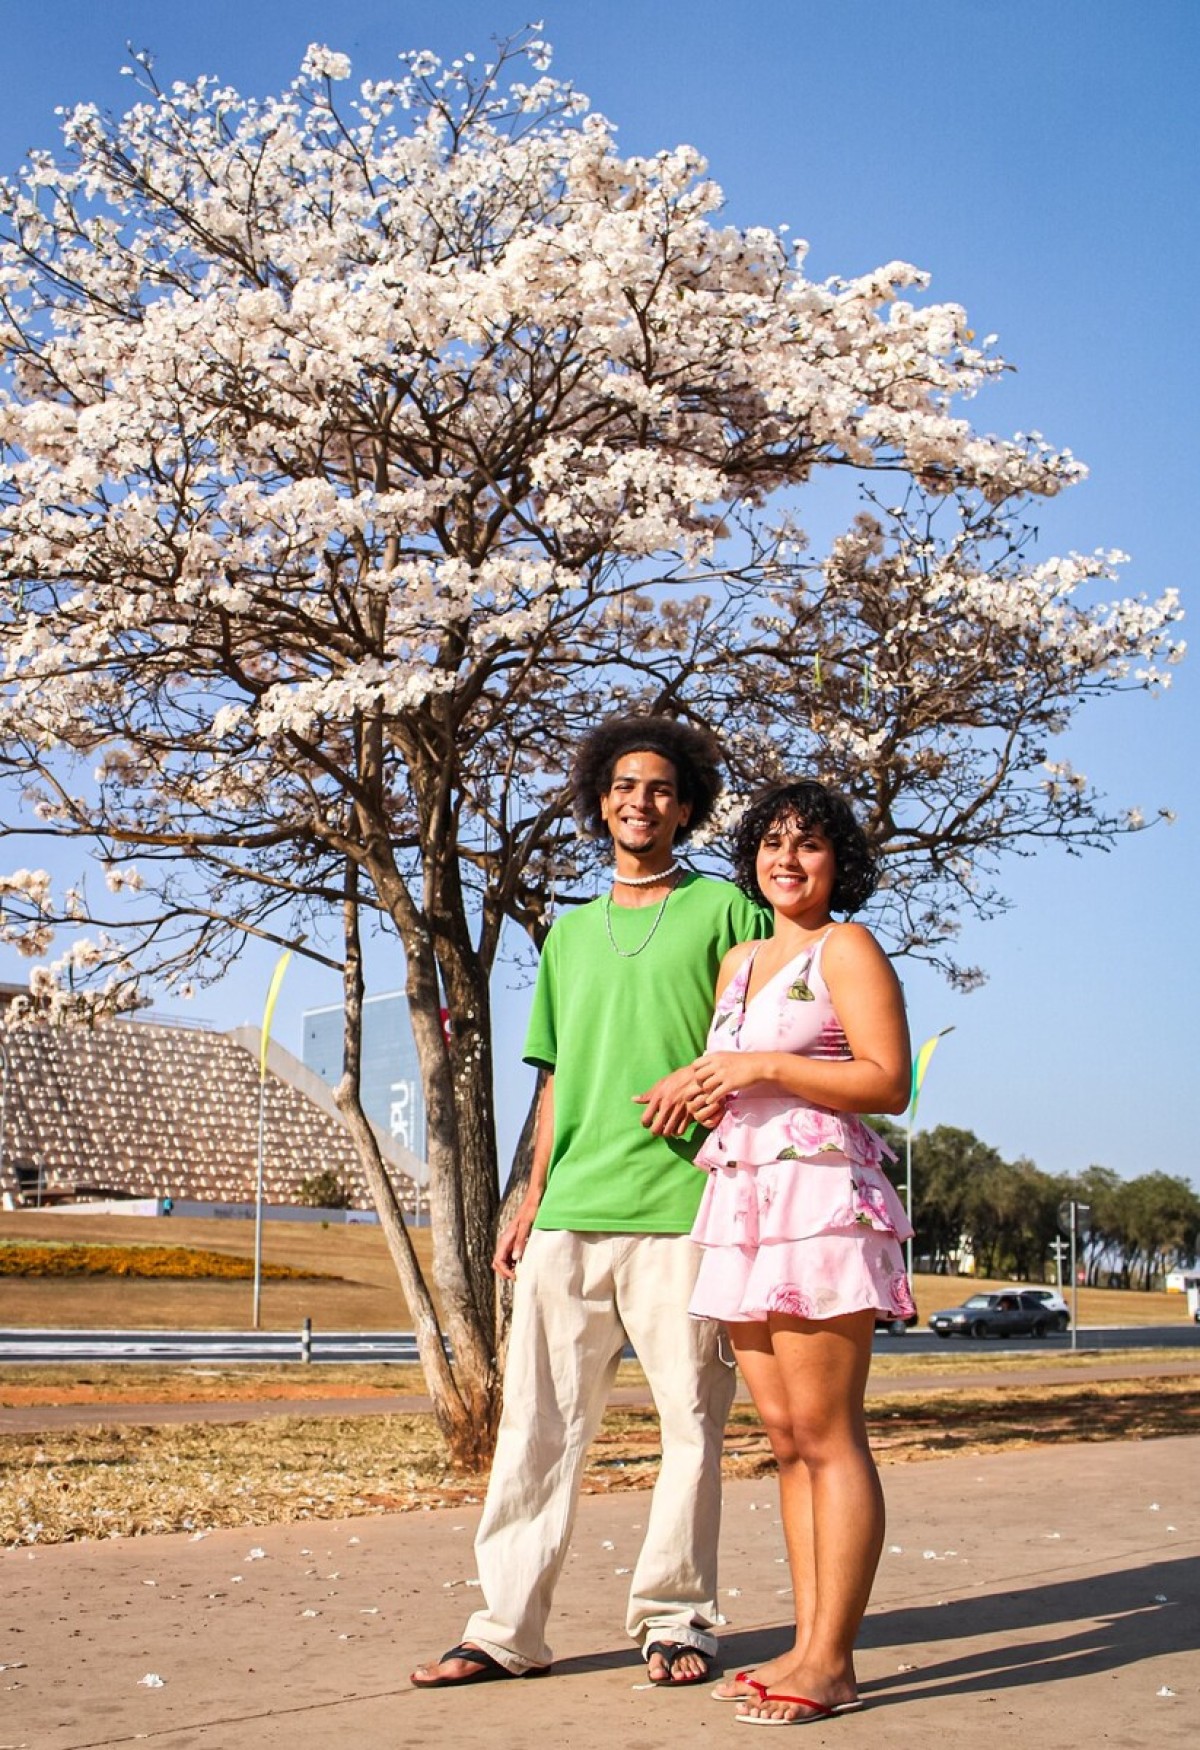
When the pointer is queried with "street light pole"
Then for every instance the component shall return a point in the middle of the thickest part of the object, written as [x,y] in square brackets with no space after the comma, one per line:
[908,1201]
[3,1102]
[1074,1276]
[258,1205]
[1075,1220]
[264,1045]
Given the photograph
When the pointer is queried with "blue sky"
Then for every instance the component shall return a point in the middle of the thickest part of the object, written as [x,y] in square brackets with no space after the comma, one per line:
[1040,161]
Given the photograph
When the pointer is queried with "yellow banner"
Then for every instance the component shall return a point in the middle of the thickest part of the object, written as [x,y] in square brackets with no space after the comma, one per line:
[272,999]
[920,1065]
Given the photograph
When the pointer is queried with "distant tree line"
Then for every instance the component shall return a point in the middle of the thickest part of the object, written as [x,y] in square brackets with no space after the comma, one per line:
[968,1200]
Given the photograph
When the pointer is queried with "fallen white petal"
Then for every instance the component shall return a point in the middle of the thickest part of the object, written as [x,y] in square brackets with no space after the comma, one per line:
[310,1613]
[151,1681]
[257,1555]
[1164,1691]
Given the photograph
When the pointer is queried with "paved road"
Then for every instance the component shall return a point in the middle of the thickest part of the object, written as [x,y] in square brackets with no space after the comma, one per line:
[1089,1337]
[20,1344]
[26,1344]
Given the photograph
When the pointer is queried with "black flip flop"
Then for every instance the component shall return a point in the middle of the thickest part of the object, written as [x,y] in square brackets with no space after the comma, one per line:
[490,1670]
[671,1652]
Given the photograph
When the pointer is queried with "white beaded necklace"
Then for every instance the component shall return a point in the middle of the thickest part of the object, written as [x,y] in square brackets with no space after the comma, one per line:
[646,880]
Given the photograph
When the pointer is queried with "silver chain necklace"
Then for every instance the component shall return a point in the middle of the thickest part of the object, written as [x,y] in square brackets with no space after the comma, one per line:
[632,953]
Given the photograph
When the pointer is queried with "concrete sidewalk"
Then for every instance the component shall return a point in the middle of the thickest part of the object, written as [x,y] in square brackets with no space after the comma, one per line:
[1040,1598]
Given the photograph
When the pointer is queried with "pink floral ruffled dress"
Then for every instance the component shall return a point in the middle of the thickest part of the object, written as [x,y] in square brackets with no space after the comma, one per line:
[798,1216]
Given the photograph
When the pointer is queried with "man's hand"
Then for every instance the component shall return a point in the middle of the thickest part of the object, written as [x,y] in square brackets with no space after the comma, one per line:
[510,1247]
[668,1103]
[707,1109]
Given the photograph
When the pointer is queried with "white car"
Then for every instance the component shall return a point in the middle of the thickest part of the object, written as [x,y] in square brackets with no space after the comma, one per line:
[1054,1304]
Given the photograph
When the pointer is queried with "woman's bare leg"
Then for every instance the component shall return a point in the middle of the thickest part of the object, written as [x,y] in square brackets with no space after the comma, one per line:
[760,1370]
[818,1426]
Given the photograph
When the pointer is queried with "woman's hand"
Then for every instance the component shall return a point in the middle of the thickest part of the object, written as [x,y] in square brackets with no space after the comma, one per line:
[722,1073]
[678,1101]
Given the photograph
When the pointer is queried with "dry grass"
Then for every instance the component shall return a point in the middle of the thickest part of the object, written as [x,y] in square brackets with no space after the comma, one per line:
[120,1482]
[365,1297]
[99,1482]
[192,1383]
[363,1294]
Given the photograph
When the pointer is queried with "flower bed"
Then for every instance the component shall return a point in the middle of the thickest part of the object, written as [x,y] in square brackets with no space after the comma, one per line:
[174,1263]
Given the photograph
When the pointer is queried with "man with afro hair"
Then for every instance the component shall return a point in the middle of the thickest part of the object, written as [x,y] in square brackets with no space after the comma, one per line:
[600,1246]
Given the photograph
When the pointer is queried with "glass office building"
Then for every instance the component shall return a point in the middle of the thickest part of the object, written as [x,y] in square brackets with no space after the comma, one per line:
[392,1095]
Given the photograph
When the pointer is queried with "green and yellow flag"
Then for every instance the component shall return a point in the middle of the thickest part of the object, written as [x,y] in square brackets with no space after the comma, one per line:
[920,1065]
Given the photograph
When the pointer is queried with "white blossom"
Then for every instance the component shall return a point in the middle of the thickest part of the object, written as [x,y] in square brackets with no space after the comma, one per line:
[323,63]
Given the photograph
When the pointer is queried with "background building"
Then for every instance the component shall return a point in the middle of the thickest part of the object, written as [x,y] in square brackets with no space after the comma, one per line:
[393,1096]
[134,1109]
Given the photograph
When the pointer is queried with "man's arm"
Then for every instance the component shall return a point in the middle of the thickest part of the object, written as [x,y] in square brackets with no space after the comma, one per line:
[512,1242]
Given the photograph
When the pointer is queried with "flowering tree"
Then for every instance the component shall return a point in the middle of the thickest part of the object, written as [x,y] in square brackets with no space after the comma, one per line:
[355,455]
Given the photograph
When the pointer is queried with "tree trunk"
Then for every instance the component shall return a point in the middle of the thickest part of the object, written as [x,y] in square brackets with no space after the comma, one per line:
[467,1417]
[518,1178]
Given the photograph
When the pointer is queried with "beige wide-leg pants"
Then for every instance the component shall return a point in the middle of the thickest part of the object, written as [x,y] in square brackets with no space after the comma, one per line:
[579,1297]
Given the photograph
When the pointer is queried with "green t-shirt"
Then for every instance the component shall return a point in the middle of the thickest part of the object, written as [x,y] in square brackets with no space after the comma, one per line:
[609,1027]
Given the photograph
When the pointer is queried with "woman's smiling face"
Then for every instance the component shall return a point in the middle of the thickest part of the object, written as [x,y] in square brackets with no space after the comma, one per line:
[796,870]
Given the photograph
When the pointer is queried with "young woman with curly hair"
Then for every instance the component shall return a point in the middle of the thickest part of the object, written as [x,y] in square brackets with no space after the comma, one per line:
[800,1229]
